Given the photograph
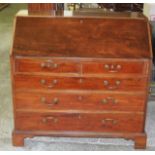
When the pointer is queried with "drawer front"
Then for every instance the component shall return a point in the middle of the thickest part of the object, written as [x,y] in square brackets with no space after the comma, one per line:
[46,65]
[107,122]
[84,83]
[79,101]
[116,67]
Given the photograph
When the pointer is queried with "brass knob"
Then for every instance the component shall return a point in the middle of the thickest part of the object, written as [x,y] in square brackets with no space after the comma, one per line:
[112,67]
[55,81]
[55,65]
[119,67]
[49,64]
[49,118]
[105,82]
[106,66]
[44,120]
[55,100]
[43,99]
[43,65]
[42,81]
[109,120]
[118,82]
[104,101]
[114,101]
[109,100]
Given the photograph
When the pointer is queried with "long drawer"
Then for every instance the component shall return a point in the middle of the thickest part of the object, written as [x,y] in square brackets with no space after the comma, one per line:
[79,101]
[58,65]
[80,83]
[101,122]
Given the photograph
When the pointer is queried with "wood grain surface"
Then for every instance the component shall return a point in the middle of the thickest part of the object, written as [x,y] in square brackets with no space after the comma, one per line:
[81,74]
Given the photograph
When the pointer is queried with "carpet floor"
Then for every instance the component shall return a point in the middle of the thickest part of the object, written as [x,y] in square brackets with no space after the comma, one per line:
[49,143]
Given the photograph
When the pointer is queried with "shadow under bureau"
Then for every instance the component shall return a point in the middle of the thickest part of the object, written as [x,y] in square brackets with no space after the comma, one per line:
[81,74]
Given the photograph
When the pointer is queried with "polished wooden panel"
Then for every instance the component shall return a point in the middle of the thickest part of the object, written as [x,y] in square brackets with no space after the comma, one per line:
[107,122]
[47,65]
[80,38]
[79,101]
[80,83]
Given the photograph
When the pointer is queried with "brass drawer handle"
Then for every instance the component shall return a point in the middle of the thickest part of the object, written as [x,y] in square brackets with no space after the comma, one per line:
[109,100]
[53,102]
[44,83]
[112,68]
[109,121]
[108,86]
[49,64]
[49,119]
[104,101]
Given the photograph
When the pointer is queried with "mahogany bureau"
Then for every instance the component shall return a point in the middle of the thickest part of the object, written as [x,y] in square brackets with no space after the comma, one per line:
[81,74]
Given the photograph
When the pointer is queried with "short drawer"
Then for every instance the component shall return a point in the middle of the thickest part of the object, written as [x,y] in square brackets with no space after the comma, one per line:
[116,66]
[97,122]
[45,65]
[79,101]
[80,83]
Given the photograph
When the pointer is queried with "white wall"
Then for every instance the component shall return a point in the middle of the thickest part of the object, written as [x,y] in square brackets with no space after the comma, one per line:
[149,11]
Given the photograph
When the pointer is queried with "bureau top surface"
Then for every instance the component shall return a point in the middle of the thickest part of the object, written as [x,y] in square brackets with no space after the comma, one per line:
[82,34]
[85,13]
